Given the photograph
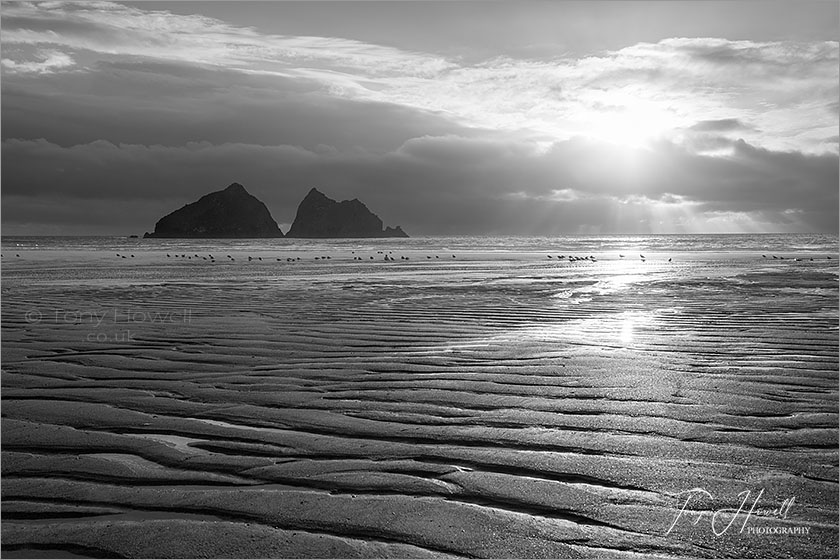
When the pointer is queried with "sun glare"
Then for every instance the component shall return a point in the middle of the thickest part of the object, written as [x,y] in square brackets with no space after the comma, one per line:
[631,124]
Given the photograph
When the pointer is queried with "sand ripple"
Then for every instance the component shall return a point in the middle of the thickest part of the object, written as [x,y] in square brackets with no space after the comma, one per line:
[472,408]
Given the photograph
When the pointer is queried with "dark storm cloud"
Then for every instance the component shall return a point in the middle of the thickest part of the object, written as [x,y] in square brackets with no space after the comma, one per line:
[147,102]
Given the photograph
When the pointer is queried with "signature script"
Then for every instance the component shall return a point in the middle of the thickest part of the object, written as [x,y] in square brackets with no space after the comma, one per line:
[723,519]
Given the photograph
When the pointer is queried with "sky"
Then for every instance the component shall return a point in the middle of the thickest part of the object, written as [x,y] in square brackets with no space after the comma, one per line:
[444,117]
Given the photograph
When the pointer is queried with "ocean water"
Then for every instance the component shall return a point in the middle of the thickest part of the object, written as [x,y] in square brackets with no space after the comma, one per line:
[573,244]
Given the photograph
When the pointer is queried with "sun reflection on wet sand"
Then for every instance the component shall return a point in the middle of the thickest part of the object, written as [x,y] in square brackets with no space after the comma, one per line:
[626,334]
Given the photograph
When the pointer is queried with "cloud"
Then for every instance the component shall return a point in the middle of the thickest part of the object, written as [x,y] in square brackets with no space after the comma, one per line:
[49,61]
[112,28]
[147,102]
[719,125]
[668,85]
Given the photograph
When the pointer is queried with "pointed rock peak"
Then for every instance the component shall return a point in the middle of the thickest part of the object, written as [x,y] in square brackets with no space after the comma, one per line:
[235,187]
[229,213]
[314,192]
[319,216]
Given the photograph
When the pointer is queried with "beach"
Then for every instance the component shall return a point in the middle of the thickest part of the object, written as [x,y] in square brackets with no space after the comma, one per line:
[656,396]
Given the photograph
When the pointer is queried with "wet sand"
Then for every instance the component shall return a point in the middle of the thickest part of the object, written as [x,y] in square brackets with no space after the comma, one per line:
[487,405]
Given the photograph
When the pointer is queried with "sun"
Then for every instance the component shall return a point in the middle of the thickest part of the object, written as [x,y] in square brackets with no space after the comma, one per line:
[632,124]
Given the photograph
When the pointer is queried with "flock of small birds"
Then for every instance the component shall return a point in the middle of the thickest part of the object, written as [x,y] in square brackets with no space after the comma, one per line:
[386,257]
[573,258]
[389,257]
[795,258]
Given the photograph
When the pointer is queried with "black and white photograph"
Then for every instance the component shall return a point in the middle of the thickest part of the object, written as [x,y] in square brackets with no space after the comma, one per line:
[419,279]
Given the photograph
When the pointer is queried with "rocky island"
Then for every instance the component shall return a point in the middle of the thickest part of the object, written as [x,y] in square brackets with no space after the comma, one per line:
[319,216]
[229,213]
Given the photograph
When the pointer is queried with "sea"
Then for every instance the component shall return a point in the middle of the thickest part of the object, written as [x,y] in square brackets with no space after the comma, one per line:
[574,244]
